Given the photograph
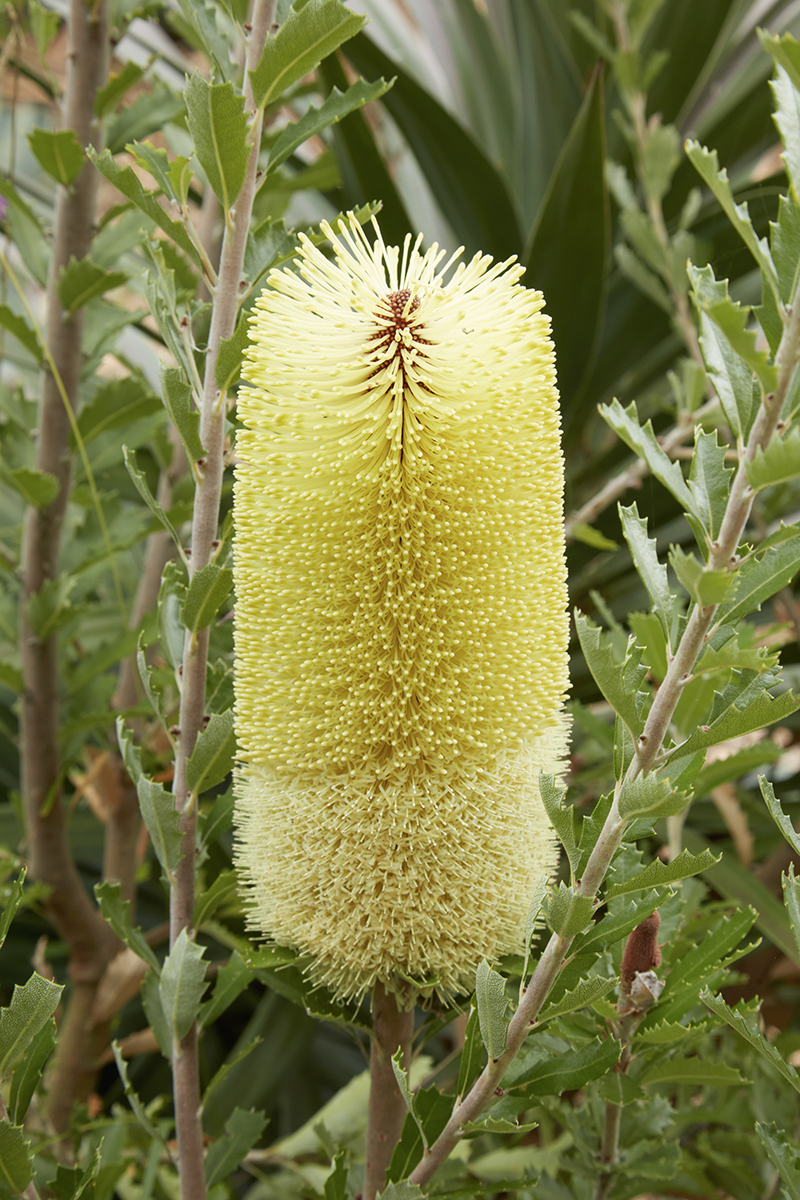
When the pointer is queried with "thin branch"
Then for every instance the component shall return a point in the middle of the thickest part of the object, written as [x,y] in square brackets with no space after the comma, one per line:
[90,940]
[392,1029]
[205,522]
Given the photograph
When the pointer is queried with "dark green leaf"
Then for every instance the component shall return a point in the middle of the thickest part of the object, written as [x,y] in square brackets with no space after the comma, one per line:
[118,914]
[306,37]
[543,1075]
[231,980]
[314,120]
[753,708]
[12,897]
[16,1161]
[220,891]
[760,578]
[32,1005]
[80,282]
[695,1071]
[619,683]
[212,756]
[218,125]
[28,1071]
[118,84]
[21,330]
[242,1131]
[208,589]
[584,994]
[472,1053]
[182,984]
[157,805]
[783,1156]
[140,483]
[177,396]
[778,815]
[493,1006]
[752,1035]
[658,873]
[227,368]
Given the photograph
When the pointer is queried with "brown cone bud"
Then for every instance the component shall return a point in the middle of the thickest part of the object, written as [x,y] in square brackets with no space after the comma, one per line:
[641,951]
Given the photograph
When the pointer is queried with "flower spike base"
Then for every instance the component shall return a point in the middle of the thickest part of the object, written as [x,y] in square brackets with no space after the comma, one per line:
[392,1029]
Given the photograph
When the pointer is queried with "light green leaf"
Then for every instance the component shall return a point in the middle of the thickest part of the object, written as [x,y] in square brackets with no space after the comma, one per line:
[658,873]
[118,914]
[117,402]
[753,708]
[28,1071]
[156,804]
[212,757]
[760,578]
[154,1011]
[306,37]
[336,1183]
[642,440]
[750,1034]
[44,26]
[531,919]
[228,366]
[219,127]
[401,1191]
[140,483]
[177,396]
[314,120]
[581,996]
[493,1006]
[48,608]
[652,573]
[22,331]
[642,277]
[562,816]
[552,1075]
[660,157]
[692,1070]
[787,118]
[242,1131]
[220,891]
[207,590]
[16,1161]
[202,17]
[231,980]
[127,182]
[706,163]
[80,282]
[709,480]
[132,1095]
[791,898]
[182,984]
[568,913]
[778,815]
[711,297]
[404,1088]
[650,796]
[472,1053]
[581,532]
[32,1005]
[706,585]
[12,898]
[786,52]
[619,683]
[60,154]
[783,1156]
[37,488]
[777,464]
[118,84]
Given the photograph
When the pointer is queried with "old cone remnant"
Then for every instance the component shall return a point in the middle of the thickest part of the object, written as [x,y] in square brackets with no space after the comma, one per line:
[400,624]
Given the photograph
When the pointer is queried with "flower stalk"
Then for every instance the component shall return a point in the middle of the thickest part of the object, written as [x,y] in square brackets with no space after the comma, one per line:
[392,1029]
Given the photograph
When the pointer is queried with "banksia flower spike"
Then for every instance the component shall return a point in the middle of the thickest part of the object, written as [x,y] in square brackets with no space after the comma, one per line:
[400,623]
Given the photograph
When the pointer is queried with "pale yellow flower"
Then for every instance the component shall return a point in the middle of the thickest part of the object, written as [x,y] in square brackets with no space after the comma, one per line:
[401,629]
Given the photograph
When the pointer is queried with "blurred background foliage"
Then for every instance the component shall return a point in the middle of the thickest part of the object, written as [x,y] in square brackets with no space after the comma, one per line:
[513,127]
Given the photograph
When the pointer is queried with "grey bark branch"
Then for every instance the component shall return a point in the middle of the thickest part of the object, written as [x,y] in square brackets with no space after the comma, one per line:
[90,940]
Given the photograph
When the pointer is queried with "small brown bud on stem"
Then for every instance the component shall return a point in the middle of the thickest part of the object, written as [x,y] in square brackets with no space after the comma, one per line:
[641,951]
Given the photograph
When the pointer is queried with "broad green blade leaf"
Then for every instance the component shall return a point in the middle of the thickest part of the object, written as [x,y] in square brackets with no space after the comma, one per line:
[128,183]
[650,796]
[658,873]
[777,464]
[306,37]
[760,578]
[619,1090]
[754,708]
[231,981]
[705,964]
[783,1156]
[692,1070]
[543,1075]
[561,815]
[750,1034]
[118,914]
[22,331]
[493,1005]
[202,16]
[570,240]
[228,366]
[140,483]
[614,927]
[731,376]
[568,913]
[711,297]
[786,52]
[642,440]
[652,573]
[619,683]
[116,403]
[182,984]
[706,163]
[778,815]
[468,189]
[212,757]
[533,912]
[220,891]
[336,1183]
[60,154]
[38,488]
[218,125]
[28,1072]
[433,1110]
[177,396]
[156,804]
[207,590]
[585,994]
[791,898]
[404,1088]
[156,1017]
[16,1161]
[314,120]
[118,84]
[709,480]
[242,1131]
[11,897]
[32,1005]
[80,282]
[132,1095]
[706,585]
[472,1052]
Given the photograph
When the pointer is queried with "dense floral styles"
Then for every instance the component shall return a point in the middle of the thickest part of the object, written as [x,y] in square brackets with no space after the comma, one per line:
[401,630]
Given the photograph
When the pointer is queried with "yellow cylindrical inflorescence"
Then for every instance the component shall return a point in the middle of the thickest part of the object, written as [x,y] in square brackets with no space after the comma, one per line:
[401,628]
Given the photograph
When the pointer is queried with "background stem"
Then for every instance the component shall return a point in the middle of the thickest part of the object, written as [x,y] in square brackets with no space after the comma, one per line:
[391,1028]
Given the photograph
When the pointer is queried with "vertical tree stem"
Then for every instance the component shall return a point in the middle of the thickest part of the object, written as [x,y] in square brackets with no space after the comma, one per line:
[90,941]
[391,1029]
[205,519]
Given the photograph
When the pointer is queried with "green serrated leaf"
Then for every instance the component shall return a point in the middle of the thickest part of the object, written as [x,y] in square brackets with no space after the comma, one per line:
[706,163]
[118,914]
[140,483]
[118,84]
[493,1008]
[80,282]
[32,1005]
[659,874]
[777,464]
[706,585]
[404,1088]
[750,1034]
[156,804]
[650,796]
[778,815]
[694,1071]
[207,590]
[472,1052]
[219,127]
[127,182]
[182,984]
[403,1190]
[242,1131]
[642,440]
[582,996]
[131,1094]
[760,578]
[783,1156]
[533,916]
[202,18]
[791,898]
[12,898]
[231,980]
[336,1183]
[177,396]
[545,1074]
[561,816]
[753,708]
[705,964]
[28,1071]
[306,37]
[212,757]
[568,913]
[60,154]
[228,367]
[619,683]
[44,26]
[314,120]
[220,891]
[37,488]
[709,480]
[652,573]
[22,331]
[16,1161]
